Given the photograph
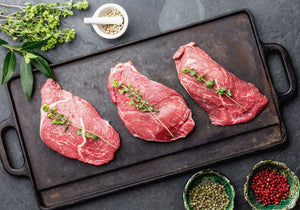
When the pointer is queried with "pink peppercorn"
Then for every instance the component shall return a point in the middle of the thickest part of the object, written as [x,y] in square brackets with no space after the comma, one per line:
[270,187]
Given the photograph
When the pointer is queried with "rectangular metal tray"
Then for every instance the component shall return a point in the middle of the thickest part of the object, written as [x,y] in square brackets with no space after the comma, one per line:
[230,39]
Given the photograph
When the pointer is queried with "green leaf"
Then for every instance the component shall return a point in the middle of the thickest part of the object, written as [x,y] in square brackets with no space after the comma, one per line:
[193,73]
[121,91]
[42,66]
[66,127]
[45,107]
[26,77]
[95,138]
[36,53]
[210,84]
[199,78]
[79,132]
[228,92]
[35,44]
[221,91]
[9,65]
[53,110]
[114,84]
[59,116]
[89,135]
[29,56]
[3,42]
[5,10]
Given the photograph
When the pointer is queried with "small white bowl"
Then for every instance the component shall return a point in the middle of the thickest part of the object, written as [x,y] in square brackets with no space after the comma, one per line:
[100,12]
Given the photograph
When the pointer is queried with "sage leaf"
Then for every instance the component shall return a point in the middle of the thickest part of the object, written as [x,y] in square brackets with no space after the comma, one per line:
[26,77]
[9,66]
[36,53]
[35,44]
[2,42]
[42,66]
[29,56]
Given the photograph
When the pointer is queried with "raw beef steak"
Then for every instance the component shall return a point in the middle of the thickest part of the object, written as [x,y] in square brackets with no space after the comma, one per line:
[82,114]
[173,111]
[221,110]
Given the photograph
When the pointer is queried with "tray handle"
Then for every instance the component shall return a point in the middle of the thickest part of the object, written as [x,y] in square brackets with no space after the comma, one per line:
[22,171]
[288,68]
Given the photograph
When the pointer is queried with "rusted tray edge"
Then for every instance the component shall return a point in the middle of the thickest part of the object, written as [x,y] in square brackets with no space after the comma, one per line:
[245,11]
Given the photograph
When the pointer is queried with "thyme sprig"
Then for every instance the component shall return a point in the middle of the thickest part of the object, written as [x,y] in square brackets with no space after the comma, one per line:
[211,84]
[135,95]
[35,22]
[137,101]
[61,119]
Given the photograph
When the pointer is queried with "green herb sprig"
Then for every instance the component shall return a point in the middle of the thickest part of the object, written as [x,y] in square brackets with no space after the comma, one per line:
[135,95]
[211,84]
[137,101]
[61,119]
[30,56]
[35,22]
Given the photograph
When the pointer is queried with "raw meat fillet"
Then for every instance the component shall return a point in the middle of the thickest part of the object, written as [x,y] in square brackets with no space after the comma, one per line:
[174,113]
[221,110]
[81,113]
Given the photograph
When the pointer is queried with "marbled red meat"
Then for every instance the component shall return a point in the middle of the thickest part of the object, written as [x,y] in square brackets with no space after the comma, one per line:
[81,113]
[221,110]
[174,113]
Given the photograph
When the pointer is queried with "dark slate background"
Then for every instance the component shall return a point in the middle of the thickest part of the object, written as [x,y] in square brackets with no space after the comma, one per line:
[276,21]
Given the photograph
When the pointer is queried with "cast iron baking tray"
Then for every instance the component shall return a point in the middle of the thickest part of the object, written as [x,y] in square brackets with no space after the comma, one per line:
[229,39]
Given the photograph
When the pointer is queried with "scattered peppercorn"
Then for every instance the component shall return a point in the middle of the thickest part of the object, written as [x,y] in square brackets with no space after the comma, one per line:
[208,195]
[112,28]
[270,187]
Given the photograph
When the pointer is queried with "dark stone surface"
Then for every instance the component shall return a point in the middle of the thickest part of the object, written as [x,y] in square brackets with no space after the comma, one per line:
[276,21]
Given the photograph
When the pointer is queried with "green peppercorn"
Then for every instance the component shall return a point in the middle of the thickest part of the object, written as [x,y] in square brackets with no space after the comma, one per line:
[208,195]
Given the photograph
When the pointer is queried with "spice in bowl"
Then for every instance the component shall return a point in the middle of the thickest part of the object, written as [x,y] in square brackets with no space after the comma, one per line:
[110,21]
[208,195]
[208,190]
[271,185]
[112,28]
